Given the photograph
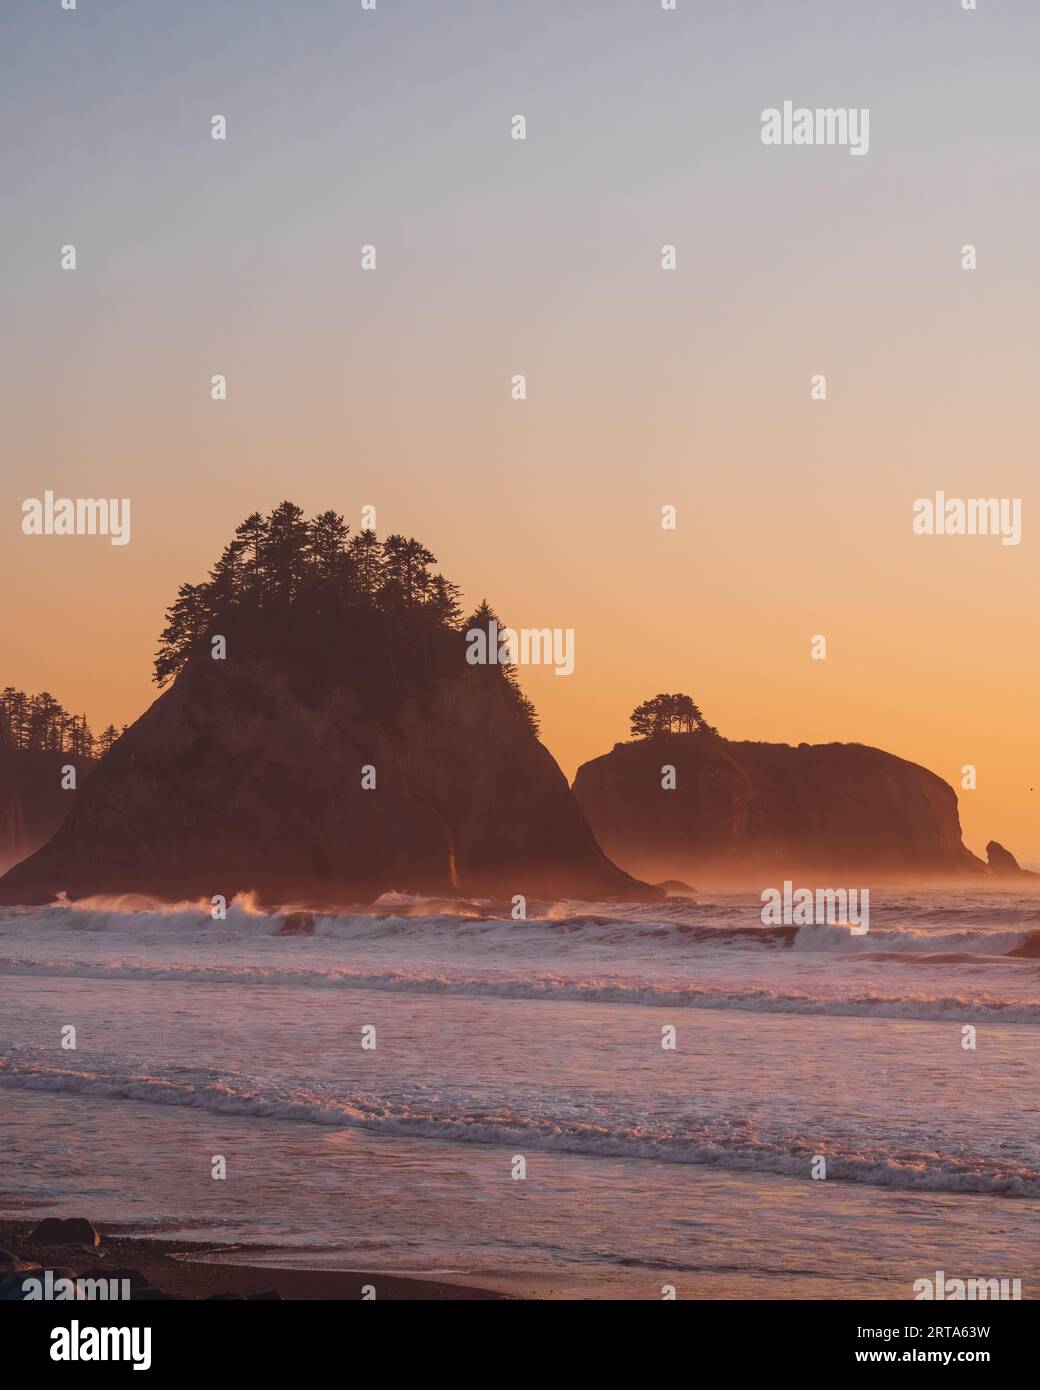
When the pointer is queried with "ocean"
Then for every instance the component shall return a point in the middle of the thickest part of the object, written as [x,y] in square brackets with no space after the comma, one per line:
[518,1123]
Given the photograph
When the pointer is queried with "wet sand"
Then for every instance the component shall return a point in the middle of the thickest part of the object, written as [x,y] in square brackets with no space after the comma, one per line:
[182,1268]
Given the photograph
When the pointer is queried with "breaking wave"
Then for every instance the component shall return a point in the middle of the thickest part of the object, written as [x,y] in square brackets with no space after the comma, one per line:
[476,1119]
[677,926]
[544,986]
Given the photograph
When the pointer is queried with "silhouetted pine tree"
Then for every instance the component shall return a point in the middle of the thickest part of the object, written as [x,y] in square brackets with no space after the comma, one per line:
[286,553]
[227,578]
[442,599]
[365,553]
[106,739]
[328,559]
[252,536]
[480,620]
[186,621]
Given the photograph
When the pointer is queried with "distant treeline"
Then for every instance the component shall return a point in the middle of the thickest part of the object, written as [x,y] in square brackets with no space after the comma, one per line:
[39,724]
[286,563]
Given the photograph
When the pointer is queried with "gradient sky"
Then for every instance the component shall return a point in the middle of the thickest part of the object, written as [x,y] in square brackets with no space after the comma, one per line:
[645,387]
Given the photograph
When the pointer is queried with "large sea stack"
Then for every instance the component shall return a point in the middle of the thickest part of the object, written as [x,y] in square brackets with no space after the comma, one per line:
[739,810]
[331,756]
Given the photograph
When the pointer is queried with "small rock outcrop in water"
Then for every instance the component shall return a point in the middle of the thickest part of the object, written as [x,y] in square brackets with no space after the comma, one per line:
[343,747]
[296,924]
[1003,864]
[675,885]
[751,808]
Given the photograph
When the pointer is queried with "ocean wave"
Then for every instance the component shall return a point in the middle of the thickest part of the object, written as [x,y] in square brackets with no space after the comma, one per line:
[670,928]
[907,940]
[696,1139]
[974,1008]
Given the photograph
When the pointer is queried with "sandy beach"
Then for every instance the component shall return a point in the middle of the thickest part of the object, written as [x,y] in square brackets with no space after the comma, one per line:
[182,1269]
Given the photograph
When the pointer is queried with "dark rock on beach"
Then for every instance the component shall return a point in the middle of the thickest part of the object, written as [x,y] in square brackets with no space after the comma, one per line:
[72,1230]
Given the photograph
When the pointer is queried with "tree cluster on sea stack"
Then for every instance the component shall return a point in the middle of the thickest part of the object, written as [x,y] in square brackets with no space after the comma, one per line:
[287,568]
[669,714]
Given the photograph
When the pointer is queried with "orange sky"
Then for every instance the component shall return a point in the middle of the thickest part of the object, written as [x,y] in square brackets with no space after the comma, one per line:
[645,387]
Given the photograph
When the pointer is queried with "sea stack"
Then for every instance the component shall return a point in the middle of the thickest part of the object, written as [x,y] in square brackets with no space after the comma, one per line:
[319,767]
[741,810]
[1003,864]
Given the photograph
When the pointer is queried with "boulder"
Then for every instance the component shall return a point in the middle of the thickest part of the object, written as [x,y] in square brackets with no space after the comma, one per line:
[72,1230]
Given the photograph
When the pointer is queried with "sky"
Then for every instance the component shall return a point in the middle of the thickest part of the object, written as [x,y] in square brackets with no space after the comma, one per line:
[495,257]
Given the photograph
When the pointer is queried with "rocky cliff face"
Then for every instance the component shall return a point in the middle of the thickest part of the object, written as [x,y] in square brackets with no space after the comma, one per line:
[739,809]
[248,775]
[32,801]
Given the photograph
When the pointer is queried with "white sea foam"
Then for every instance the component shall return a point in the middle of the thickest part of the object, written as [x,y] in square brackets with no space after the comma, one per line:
[965,1007]
[576,1129]
[540,1037]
